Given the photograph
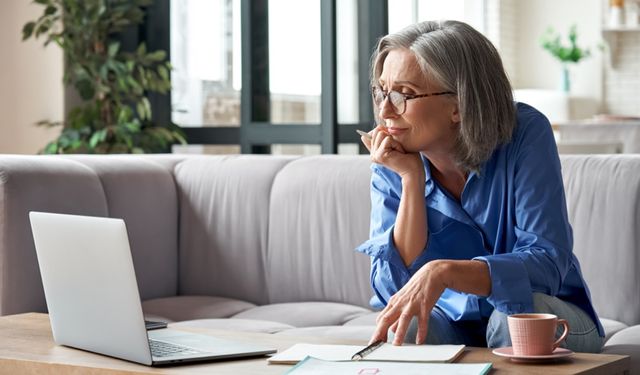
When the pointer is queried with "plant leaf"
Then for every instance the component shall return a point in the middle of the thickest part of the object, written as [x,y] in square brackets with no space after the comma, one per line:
[141,50]
[163,72]
[156,56]
[113,49]
[51,9]
[27,30]
[51,148]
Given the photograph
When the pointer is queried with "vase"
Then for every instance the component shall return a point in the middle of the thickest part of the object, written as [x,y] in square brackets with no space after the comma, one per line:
[565,83]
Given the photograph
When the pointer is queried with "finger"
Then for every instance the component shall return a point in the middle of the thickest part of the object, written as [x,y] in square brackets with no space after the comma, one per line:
[366,142]
[376,139]
[379,133]
[388,315]
[372,142]
[386,147]
[387,310]
[393,327]
[374,132]
[380,334]
[385,319]
[423,326]
[401,330]
[397,146]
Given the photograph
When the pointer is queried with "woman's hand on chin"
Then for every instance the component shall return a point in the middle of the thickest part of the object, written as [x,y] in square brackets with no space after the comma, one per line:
[388,152]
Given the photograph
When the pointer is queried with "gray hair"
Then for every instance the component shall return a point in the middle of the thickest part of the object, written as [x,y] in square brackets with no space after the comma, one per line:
[463,61]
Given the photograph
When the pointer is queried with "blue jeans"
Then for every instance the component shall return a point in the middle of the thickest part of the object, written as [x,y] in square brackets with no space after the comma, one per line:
[494,331]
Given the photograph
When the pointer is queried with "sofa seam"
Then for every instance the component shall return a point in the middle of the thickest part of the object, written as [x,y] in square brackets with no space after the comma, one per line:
[265,257]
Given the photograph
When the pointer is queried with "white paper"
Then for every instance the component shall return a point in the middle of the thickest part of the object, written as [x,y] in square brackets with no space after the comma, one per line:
[387,352]
[417,353]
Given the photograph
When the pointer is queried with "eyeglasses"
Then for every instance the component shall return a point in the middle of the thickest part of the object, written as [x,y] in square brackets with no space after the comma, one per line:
[399,100]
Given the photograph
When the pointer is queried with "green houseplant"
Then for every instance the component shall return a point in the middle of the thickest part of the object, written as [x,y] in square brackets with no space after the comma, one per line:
[567,54]
[115,113]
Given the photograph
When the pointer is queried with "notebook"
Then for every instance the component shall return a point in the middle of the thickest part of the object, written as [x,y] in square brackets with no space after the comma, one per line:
[386,352]
[93,301]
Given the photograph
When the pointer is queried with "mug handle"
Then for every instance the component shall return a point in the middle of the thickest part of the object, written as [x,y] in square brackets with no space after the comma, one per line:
[564,334]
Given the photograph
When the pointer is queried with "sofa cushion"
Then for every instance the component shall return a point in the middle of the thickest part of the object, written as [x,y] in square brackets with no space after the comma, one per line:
[629,335]
[364,320]
[611,327]
[315,223]
[626,342]
[193,307]
[305,314]
[360,333]
[224,211]
[244,325]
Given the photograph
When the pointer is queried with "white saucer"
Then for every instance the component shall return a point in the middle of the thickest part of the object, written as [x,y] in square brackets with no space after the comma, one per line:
[508,352]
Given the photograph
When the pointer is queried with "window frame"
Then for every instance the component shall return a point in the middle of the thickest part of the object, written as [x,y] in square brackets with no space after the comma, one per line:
[256,133]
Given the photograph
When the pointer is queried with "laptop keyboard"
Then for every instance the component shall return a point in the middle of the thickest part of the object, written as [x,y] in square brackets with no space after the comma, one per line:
[167,349]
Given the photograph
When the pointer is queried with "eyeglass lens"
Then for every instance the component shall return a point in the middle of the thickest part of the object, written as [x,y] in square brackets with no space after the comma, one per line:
[397,100]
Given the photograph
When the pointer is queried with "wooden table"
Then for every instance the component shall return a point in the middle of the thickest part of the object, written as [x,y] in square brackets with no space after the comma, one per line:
[27,347]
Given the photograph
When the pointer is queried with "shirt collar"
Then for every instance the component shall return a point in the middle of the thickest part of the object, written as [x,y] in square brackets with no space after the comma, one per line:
[428,182]
[437,198]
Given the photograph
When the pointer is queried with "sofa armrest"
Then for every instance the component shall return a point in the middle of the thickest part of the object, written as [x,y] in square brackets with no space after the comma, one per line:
[603,198]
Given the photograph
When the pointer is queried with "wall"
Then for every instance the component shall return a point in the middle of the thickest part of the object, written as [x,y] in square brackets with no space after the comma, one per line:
[536,68]
[501,20]
[31,82]
[622,76]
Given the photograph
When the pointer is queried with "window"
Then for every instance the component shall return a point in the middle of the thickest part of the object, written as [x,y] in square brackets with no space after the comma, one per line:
[347,62]
[294,61]
[249,75]
[405,12]
[205,55]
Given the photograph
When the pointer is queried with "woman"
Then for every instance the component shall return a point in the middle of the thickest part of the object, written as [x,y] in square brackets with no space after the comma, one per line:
[469,220]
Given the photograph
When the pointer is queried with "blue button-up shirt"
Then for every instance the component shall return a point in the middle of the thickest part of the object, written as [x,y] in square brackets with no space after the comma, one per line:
[511,215]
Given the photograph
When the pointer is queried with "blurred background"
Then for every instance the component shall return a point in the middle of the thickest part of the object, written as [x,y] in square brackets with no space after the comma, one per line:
[291,76]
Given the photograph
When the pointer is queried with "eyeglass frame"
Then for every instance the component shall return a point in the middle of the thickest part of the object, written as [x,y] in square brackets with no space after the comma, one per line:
[405,97]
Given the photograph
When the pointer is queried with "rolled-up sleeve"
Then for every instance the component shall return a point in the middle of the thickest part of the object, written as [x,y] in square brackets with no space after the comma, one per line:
[541,255]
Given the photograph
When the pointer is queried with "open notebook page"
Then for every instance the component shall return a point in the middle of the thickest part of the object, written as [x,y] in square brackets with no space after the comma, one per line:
[386,352]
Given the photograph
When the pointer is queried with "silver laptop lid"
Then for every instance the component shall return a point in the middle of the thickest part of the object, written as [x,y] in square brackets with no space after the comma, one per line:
[102,313]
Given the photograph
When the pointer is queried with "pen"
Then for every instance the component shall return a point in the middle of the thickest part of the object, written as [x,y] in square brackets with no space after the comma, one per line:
[364,134]
[361,354]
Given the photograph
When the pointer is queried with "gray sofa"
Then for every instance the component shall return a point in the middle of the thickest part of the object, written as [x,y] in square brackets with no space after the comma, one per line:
[265,243]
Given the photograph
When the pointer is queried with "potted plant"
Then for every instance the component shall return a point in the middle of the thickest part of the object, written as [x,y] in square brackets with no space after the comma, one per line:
[115,113]
[567,54]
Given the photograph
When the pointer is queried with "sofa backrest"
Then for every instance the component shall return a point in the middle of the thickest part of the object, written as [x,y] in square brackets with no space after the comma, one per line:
[603,198]
[224,219]
[319,213]
[278,229]
[299,219]
[274,228]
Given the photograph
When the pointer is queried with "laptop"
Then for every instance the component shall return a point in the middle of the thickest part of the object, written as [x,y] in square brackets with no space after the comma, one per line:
[93,300]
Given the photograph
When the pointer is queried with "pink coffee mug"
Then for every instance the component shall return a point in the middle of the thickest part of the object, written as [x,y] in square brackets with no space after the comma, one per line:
[535,334]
